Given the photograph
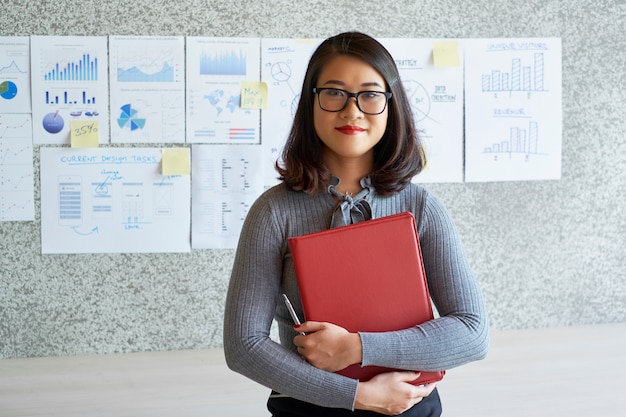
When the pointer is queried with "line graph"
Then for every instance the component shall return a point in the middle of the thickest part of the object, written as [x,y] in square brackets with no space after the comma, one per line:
[136,74]
[12,68]
[16,168]
[134,63]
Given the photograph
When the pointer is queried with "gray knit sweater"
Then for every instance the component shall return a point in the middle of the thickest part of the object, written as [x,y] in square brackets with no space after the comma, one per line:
[263,269]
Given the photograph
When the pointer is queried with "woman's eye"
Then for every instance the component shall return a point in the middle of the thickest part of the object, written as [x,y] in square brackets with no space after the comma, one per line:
[334,93]
[370,95]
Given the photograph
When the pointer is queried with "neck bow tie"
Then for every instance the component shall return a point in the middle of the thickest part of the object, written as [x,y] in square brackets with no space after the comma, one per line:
[350,209]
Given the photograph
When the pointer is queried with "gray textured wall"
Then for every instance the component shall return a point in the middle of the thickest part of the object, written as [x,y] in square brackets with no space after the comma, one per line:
[548,253]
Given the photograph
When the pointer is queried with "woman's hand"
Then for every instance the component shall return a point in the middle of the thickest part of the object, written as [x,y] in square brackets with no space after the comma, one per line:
[391,393]
[328,346]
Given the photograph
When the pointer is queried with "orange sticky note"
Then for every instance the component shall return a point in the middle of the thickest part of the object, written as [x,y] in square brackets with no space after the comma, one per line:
[84,134]
[175,161]
[253,95]
[446,54]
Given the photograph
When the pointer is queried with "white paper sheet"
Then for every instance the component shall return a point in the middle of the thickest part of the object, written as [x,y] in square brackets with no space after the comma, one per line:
[17,190]
[226,181]
[15,74]
[69,82]
[513,115]
[436,94]
[216,67]
[284,63]
[147,89]
[112,200]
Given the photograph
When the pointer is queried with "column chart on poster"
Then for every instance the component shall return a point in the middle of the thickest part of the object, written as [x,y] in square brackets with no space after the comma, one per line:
[283,65]
[226,181]
[69,83]
[17,193]
[112,200]
[147,77]
[15,74]
[216,68]
[513,115]
[436,96]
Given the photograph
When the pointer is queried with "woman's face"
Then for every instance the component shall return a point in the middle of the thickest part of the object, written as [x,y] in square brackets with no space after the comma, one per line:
[349,133]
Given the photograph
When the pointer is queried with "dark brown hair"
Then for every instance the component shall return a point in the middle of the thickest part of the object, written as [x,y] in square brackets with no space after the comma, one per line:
[399,155]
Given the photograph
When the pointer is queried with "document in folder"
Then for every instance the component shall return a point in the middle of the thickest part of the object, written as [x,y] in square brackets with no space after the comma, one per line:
[365,277]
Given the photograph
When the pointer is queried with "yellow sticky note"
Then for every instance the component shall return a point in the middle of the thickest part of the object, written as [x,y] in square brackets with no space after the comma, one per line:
[84,134]
[253,95]
[175,161]
[446,54]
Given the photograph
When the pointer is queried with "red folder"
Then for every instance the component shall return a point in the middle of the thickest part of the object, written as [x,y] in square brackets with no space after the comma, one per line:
[366,277]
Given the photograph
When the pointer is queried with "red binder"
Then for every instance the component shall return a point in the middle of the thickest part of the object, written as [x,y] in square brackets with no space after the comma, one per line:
[365,277]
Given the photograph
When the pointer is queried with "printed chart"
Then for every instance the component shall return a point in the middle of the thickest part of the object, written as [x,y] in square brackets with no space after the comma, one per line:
[97,200]
[283,65]
[216,68]
[520,78]
[226,182]
[513,113]
[69,83]
[17,194]
[147,77]
[15,74]
[436,96]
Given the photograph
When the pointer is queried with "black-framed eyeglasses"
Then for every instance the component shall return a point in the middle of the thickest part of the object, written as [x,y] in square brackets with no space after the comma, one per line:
[336,99]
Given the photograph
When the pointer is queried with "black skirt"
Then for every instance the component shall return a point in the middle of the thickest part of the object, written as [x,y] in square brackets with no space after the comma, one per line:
[282,406]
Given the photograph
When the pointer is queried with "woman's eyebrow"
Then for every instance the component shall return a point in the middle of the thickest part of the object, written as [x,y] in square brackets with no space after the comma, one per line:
[372,84]
[337,82]
[341,83]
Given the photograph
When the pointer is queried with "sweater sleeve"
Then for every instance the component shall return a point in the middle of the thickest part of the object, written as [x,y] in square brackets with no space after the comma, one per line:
[461,332]
[251,303]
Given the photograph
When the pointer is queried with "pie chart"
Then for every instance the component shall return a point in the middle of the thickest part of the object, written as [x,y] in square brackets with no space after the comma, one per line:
[8,90]
[53,122]
[128,118]
[281,71]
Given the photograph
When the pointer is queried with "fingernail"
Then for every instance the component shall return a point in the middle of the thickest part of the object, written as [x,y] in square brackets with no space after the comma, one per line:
[296,326]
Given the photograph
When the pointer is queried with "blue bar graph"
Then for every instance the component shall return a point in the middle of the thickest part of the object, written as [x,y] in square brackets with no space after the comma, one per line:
[64,98]
[86,69]
[225,63]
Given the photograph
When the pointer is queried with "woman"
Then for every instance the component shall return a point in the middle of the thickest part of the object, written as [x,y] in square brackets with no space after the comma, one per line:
[349,157]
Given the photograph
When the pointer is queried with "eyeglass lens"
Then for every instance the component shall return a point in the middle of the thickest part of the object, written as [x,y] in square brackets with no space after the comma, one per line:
[369,102]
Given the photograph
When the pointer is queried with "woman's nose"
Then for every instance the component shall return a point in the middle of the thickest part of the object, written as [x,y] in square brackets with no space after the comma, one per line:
[352,108]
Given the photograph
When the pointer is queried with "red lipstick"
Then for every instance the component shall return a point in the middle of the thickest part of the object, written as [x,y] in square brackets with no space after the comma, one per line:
[350,130]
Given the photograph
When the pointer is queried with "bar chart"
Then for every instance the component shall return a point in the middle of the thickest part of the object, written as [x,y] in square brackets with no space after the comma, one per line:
[520,77]
[520,141]
[85,69]
[67,97]
[223,63]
